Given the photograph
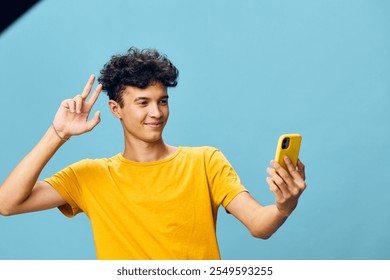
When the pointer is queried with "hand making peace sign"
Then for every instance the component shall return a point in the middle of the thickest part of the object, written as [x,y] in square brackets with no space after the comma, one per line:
[72,116]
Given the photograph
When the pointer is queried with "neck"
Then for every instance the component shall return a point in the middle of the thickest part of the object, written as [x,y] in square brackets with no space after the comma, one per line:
[140,151]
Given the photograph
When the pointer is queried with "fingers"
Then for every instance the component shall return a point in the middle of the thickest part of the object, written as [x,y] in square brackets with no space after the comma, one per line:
[278,178]
[291,181]
[283,175]
[87,90]
[74,105]
[301,169]
[289,164]
[70,105]
[94,121]
[88,87]
[95,95]
[274,188]
[79,100]
[297,172]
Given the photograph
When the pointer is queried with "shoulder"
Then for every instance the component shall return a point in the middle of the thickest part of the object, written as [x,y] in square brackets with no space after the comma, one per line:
[207,154]
[204,151]
[97,163]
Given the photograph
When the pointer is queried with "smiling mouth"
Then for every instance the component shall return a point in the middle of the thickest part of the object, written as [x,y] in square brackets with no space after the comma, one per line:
[154,124]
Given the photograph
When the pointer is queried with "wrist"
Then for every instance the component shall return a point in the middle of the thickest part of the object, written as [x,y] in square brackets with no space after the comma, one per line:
[63,138]
[283,213]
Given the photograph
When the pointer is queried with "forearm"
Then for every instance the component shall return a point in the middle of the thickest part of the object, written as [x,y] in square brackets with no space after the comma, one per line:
[18,185]
[261,221]
[265,221]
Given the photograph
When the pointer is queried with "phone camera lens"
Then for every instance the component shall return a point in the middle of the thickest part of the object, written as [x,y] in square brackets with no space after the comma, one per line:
[285,143]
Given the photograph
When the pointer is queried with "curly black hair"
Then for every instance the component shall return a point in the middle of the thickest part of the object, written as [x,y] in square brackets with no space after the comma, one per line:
[139,68]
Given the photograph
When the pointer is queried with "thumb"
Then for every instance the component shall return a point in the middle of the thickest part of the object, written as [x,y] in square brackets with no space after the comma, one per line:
[94,121]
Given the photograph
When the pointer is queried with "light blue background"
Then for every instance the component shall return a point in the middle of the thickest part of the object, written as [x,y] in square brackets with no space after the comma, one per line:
[249,71]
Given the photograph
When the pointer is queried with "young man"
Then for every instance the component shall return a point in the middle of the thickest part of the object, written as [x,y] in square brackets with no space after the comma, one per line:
[153,201]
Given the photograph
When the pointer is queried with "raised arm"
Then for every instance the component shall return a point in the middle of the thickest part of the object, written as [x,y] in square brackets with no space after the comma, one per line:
[287,186]
[20,192]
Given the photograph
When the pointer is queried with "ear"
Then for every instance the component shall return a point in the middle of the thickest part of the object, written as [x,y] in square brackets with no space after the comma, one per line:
[115,108]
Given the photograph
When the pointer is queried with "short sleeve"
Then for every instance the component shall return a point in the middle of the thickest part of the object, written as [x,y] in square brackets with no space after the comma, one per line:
[223,180]
[66,183]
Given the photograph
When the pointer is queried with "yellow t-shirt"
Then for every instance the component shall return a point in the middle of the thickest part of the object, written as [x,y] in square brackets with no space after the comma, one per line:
[165,209]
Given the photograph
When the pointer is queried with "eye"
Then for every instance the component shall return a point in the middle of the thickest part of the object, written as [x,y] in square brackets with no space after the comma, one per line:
[164,101]
[143,103]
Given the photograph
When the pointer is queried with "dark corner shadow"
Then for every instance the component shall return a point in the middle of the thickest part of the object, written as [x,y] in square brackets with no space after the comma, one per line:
[11,10]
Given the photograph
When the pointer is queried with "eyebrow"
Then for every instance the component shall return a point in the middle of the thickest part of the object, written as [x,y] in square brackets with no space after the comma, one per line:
[147,98]
[141,98]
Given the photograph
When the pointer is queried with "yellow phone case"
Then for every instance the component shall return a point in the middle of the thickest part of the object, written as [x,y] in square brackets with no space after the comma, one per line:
[288,145]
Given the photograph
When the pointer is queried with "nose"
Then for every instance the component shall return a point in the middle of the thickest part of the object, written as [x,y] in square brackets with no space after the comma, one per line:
[155,111]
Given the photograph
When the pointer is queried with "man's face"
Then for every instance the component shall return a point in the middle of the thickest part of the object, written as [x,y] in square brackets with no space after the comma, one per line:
[144,113]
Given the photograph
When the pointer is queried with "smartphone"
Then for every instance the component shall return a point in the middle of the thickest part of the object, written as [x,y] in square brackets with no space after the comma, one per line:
[288,145]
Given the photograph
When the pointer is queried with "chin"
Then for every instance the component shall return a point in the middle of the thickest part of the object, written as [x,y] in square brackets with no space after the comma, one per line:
[152,140]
